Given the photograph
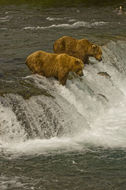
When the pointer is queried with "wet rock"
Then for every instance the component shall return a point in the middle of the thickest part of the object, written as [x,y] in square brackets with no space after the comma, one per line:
[105,74]
[72,76]
[1,75]
[22,87]
[103,96]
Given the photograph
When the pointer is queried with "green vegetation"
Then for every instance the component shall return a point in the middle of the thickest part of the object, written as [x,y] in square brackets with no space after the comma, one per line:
[57,3]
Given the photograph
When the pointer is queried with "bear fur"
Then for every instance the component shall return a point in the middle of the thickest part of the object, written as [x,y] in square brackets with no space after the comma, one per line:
[54,65]
[81,49]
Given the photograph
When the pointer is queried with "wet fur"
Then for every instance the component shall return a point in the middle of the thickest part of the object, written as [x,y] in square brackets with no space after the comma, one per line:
[81,49]
[54,65]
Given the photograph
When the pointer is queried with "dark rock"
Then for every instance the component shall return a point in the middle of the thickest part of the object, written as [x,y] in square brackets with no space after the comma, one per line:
[103,96]
[105,74]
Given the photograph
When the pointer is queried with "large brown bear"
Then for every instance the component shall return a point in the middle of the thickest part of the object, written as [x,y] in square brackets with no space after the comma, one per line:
[81,49]
[54,65]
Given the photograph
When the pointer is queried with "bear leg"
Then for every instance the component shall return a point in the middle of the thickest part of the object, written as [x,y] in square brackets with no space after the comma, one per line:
[62,79]
[86,60]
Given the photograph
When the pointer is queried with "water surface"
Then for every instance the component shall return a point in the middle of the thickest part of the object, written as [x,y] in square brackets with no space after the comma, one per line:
[55,137]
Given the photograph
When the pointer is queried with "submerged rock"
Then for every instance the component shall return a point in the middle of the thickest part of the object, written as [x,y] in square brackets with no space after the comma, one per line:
[23,87]
[72,76]
[104,97]
[105,74]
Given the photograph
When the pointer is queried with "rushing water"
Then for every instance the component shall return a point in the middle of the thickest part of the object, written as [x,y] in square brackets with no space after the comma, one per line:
[57,137]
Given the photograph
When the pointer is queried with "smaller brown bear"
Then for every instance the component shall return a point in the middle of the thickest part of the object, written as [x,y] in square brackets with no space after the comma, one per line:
[81,49]
[54,65]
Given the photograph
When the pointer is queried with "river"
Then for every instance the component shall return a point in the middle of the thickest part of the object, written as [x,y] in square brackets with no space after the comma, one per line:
[55,137]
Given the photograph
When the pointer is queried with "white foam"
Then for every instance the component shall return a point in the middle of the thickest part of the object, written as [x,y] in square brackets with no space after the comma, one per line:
[53,19]
[5,19]
[39,146]
[93,108]
[11,129]
[77,24]
[12,182]
[72,20]
[58,19]
[107,131]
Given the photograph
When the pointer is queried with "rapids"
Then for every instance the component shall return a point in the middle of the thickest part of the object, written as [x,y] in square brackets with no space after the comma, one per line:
[55,137]
[88,111]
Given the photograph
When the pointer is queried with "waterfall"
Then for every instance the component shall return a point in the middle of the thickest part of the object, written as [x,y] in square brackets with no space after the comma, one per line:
[88,110]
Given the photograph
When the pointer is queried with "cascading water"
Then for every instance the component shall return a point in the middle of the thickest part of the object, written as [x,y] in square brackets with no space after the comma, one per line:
[88,110]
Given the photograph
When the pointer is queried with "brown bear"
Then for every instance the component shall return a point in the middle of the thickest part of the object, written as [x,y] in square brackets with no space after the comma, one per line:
[54,65]
[81,49]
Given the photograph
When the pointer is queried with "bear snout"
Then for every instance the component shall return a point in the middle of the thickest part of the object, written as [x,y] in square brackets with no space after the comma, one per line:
[80,73]
[100,59]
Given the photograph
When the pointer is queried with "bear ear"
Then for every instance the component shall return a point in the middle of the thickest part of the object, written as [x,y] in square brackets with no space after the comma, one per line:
[94,46]
[77,62]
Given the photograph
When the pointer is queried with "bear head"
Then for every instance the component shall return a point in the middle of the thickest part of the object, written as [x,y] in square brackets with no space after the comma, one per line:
[95,51]
[78,67]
